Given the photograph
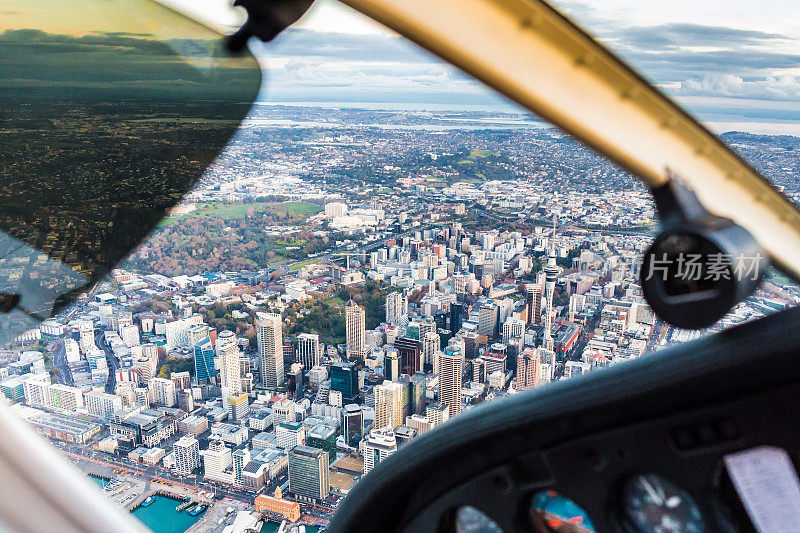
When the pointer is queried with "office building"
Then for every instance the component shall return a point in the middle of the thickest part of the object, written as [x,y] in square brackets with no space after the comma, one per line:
[187,454]
[204,361]
[309,352]
[230,372]
[344,378]
[269,330]
[309,473]
[391,364]
[451,364]
[409,351]
[533,303]
[352,423]
[388,405]
[431,343]
[323,437]
[379,444]
[355,330]
[396,308]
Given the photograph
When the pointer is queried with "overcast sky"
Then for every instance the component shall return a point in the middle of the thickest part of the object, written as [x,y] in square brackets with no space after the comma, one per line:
[731,63]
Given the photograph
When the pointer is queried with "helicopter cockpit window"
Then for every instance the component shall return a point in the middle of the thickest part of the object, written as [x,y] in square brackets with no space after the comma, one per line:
[329,266]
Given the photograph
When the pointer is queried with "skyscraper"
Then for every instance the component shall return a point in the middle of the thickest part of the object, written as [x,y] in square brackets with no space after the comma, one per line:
[488,318]
[409,351]
[352,423]
[391,364]
[203,361]
[529,369]
[344,378]
[355,330]
[388,405]
[308,350]
[379,445]
[187,454]
[431,344]
[451,365]
[456,316]
[229,366]
[309,472]
[533,299]
[269,332]
[396,307]
[513,327]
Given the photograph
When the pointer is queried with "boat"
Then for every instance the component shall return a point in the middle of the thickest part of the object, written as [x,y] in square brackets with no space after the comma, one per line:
[147,501]
[197,510]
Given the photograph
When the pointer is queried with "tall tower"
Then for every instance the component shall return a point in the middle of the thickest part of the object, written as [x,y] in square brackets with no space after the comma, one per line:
[269,332]
[230,371]
[354,327]
[551,275]
[396,307]
[451,365]
[308,350]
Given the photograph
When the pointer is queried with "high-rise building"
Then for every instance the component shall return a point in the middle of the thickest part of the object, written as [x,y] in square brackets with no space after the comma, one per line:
[101,404]
[129,335]
[391,364]
[204,361]
[269,330]
[533,301]
[323,437]
[309,473]
[355,330]
[388,405]
[344,378]
[513,328]
[379,444]
[352,423]
[237,407]
[438,413]
[431,343]
[409,351]
[309,352]
[187,454]
[456,316]
[182,380]
[162,391]
[529,369]
[396,307]
[488,318]
[86,332]
[451,365]
[198,333]
[218,462]
[239,460]
[230,371]
[147,363]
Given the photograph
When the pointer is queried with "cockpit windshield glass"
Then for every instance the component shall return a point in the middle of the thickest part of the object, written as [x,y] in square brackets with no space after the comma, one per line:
[337,263]
[109,112]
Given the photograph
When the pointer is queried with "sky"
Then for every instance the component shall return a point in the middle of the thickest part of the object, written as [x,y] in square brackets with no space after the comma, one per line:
[733,64]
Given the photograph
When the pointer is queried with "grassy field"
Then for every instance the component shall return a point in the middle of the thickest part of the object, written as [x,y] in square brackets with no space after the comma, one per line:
[298,266]
[239,209]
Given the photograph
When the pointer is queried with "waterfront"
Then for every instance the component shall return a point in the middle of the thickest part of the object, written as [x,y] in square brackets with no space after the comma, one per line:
[161,516]
[272,527]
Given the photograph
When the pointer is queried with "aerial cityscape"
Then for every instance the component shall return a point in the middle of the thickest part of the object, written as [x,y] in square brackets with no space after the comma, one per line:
[340,282]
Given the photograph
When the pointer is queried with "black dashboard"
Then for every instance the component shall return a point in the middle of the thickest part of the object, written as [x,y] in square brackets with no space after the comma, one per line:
[700,437]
